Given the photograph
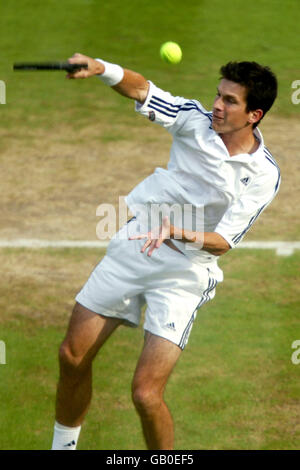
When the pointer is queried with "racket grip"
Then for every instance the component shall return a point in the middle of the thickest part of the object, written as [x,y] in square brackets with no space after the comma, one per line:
[73,67]
[50,66]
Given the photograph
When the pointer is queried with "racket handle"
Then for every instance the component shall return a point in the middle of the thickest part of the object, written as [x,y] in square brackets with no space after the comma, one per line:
[50,66]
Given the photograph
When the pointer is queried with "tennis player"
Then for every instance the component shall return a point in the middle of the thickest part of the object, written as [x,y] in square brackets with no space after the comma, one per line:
[221,170]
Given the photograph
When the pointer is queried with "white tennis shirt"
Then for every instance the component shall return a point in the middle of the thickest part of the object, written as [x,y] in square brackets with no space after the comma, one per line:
[233,191]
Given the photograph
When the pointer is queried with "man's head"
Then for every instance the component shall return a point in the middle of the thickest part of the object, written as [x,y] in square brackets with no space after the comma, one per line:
[246,92]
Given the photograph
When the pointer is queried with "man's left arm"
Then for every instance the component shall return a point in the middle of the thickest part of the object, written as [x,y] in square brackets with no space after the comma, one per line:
[212,242]
[208,241]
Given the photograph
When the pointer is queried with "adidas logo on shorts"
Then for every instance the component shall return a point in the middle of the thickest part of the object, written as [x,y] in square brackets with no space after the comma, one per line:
[170,326]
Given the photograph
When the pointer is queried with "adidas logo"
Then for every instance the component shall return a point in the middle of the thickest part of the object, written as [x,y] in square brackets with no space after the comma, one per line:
[151,116]
[170,326]
[245,181]
[70,444]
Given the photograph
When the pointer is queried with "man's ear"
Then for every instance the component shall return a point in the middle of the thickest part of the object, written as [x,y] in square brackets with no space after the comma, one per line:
[255,116]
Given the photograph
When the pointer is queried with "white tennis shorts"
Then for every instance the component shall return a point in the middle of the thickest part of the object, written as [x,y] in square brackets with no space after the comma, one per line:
[169,283]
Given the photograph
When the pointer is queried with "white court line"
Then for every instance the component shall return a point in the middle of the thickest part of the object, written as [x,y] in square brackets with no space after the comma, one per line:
[282,248]
[40,243]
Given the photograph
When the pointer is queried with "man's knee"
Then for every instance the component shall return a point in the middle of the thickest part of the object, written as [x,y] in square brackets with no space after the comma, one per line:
[146,398]
[72,364]
[86,334]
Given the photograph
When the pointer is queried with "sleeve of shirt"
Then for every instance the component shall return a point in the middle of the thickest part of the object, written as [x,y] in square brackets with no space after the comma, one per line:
[242,214]
[165,109]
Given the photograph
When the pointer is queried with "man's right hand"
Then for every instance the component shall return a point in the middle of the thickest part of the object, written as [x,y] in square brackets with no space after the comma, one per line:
[94,67]
[133,85]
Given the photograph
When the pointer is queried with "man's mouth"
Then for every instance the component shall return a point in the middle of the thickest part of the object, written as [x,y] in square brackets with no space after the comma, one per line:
[217,118]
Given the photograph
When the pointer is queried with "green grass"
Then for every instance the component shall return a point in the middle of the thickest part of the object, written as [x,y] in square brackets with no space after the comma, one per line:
[234,387]
[130,33]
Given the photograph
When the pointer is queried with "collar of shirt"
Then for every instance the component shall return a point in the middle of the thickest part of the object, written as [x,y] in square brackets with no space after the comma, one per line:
[242,157]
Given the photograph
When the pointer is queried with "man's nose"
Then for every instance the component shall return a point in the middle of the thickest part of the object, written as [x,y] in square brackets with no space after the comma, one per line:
[218,103]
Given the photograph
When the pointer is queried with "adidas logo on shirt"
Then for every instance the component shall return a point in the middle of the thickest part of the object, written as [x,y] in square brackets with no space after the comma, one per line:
[246,180]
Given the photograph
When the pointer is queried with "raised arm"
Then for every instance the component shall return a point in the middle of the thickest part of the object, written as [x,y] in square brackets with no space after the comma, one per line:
[132,85]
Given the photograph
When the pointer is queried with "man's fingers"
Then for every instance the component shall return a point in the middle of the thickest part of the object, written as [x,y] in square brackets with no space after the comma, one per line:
[159,242]
[152,247]
[78,74]
[146,245]
[153,241]
[150,243]
[80,59]
[75,57]
[138,237]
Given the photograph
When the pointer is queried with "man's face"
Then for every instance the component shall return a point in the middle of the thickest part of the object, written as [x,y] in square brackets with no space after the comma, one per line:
[229,108]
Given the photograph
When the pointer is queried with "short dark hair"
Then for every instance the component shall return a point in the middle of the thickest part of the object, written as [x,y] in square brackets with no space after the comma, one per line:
[260,82]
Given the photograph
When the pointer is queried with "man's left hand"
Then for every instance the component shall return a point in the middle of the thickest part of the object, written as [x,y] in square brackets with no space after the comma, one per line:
[155,237]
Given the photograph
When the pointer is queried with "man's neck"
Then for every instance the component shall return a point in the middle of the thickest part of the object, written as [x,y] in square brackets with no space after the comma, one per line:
[242,141]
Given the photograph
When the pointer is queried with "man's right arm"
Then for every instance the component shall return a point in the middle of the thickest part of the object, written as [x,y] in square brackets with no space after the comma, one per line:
[133,85]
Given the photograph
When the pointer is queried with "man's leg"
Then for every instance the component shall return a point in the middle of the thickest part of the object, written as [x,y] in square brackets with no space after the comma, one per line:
[154,367]
[87,332]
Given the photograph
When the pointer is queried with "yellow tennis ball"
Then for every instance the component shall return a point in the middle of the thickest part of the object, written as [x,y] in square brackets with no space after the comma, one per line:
[171,52]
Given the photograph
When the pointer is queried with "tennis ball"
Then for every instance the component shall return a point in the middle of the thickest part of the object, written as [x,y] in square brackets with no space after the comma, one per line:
[171,52]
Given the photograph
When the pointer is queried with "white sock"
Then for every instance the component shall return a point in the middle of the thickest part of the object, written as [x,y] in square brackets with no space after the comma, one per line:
[65,438]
